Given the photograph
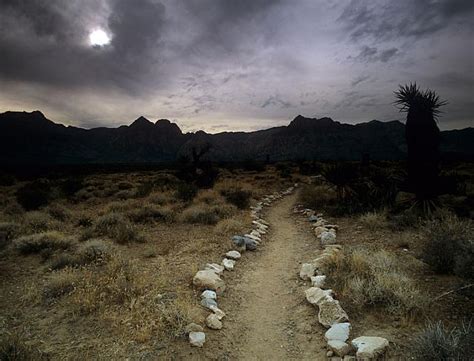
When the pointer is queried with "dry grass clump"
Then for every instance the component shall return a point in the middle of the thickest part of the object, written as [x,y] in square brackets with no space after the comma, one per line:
[159,198]
[42,243]
[317,196]
[437,343]
[14,348]
[149,213]
[374,221]
[92,251]
[449,245]
[230,225]
[206,214]
[60,283]
[8,231]
[118,228]
[369,278]
[38,221]
[58,212]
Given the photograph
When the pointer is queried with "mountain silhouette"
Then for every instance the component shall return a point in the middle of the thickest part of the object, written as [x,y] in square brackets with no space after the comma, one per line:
[31,138]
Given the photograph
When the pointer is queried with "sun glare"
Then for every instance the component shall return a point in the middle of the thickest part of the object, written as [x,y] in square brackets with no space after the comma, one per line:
[99,38]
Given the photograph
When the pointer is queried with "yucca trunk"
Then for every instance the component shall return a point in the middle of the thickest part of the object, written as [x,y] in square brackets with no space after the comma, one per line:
[422,135]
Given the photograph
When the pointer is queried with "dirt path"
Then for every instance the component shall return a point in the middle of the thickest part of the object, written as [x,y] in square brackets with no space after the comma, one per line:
[268,318]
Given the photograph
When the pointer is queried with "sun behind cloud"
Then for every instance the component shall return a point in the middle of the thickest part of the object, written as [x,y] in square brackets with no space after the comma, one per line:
[99,37]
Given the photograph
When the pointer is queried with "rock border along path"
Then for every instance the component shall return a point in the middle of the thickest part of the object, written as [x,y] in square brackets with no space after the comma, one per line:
[209,281]
[330,313]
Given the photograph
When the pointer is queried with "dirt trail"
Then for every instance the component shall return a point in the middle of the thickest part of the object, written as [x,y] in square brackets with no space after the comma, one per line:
[269,318]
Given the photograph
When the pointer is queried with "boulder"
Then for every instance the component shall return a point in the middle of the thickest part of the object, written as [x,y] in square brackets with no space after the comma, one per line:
[218,312]
[245,242]
[251,245]
[208,279]
[193,327]
[313,218]
[197,339]
[216,268]
[340,348]
[318,281]
[369,347]
[328,238]
[316,295]
[251,236]
[228,264]
[331,312]
[208,303]
[213,322]
[307,271]
[209,294]
[233,255]
[338,331]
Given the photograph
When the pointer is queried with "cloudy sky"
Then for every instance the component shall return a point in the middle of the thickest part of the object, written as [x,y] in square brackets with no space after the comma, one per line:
[233,65]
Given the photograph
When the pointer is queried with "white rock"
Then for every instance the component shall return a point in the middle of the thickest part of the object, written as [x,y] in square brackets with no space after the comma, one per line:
[233,255]
[307,271]
[208,279]
[255,238]
[340,348]
[228,264]
[216,268]
[197,339]
[369,347]
[318,281]
[209,294]
[218,312]
[331,312]
[328,238]
[316,295]
[213,322]
[319,230]
[338,331]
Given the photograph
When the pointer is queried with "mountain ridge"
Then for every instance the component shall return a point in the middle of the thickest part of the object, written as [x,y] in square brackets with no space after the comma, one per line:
[30,137]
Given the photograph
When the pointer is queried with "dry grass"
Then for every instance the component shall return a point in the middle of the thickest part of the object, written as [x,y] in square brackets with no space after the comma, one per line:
[374,221]
[230,225]
[206,214]
[42,242]
[317,196]
[118,228]
[368,279]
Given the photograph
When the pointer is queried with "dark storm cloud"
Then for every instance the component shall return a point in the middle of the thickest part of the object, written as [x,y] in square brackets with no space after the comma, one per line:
[372,54]
[46,42]
[360,79]
[404,18]
[275,100]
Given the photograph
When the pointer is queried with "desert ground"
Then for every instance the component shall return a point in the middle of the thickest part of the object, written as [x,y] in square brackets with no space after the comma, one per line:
[100,266]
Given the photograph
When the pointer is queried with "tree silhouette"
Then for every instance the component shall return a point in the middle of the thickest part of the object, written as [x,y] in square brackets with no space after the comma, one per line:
[422,136]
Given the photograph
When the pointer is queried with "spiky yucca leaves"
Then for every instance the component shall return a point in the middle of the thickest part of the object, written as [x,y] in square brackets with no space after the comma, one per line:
[422,135]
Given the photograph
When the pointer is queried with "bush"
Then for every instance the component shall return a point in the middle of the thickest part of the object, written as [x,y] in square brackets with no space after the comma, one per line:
[374,279]
[118,228]
[317,197]
[144,189]
[84,220]
[206,214]
[238,197]
[373,220]
[448,245]
[124,185]
[47,241]
[37,221]
[59,212]
[186,192]
[34,195]
[71,186]
[150,213]
[59,284]
[437,343]
[94,250]
[159,198]
[8,231]
[229,225]
[14,348]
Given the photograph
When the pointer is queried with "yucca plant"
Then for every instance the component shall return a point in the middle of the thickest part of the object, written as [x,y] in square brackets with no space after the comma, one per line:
[422,135]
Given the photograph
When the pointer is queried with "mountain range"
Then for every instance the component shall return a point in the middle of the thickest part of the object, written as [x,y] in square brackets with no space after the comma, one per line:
[31,138]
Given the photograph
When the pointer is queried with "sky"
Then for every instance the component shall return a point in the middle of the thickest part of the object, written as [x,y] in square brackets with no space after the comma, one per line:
[224,65]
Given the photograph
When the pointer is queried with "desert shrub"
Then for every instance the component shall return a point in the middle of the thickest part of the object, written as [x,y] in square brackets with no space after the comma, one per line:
[37,221]
[124,206]
[71,186]
[34,195]
[408,218]
[373,220]
[124,185]
[186,192]
[437,343]
[317,197]
[83,195]
[14,348]
[40,242]
[58,212]
[150,213]
[94,250]
[229,225]
[448,245]
[8,231]
[117,282]
[206,214]
[238,197]
[13,209]
[369,278]
[59,284]
[118,228]
[84,220]
[159,198]
[125,194]
[144,189]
